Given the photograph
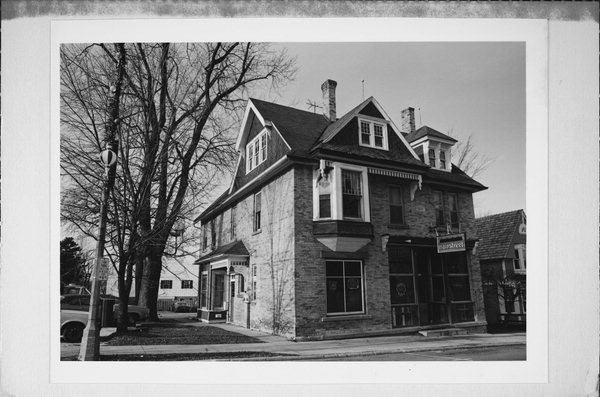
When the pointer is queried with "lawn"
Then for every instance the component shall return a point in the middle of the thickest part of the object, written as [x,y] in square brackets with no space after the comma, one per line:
[181,356]
[181,335]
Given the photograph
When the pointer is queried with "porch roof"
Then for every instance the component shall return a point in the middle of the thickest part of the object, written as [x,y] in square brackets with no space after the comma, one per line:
[236,248]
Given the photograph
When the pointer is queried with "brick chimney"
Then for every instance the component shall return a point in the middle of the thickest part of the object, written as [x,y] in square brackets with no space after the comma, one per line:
[408,120]
[328,89]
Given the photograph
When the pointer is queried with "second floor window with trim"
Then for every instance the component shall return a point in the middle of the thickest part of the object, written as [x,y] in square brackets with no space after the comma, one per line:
[438,204]
[213,234]
[519,260]
[352,194]
[187,284]
[432,157]
[204,237]
[256,212]
[373,134]
[256,151]
[453,207]
[396,206]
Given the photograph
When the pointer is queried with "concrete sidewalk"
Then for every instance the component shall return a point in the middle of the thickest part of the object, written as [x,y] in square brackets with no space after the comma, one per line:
[322,349]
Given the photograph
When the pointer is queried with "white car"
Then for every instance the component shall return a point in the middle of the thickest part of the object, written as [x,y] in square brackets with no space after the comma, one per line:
[72,323]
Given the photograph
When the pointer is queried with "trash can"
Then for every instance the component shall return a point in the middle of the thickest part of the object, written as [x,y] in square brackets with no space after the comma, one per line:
[107,314]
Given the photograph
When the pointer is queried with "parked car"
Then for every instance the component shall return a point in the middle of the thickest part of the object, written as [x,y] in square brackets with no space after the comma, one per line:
[72,323]
[81,303]
[72,289]
[182,305]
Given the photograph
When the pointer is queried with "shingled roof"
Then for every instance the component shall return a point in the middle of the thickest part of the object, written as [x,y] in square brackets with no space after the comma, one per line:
[455,176]
[236,248]
[427,131]
[496,233]
[299,128]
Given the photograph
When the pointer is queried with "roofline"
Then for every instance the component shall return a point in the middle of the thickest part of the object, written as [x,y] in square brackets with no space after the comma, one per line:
[202,260]
[241,133]
[333,155]
[432,138]
[472,188]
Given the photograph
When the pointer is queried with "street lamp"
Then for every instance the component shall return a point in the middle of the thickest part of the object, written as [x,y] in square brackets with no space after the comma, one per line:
[90,341]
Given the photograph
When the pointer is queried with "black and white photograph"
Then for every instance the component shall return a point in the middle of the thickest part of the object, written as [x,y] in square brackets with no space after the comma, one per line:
[289,201]
[260,203]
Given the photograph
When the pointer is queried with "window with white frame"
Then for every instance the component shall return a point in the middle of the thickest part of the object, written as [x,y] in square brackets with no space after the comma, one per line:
[442,160]
[256,151]
[519,259]
[256,215]
[432,157]
[373,134]
[324,206]
[345,292]
[352,194]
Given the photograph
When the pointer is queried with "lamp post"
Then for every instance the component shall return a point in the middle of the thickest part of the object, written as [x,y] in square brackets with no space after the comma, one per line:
[90,342]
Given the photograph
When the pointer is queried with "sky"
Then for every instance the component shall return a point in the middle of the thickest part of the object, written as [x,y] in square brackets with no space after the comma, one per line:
[463,88]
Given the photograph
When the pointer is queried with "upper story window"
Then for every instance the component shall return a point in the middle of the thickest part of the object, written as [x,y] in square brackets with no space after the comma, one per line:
[446,209]
[256,213]
[438,204]
[166,284]
[256,151]
[204,237]
[443,160]
[396,206]
[324,206]
[373,134]
[213,234]
[519,259]
[432,157]
[352,194]
[232,223]
[187,284]
[453,209]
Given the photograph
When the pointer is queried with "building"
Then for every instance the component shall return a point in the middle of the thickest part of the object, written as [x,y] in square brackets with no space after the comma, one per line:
[329,227]
[502,255]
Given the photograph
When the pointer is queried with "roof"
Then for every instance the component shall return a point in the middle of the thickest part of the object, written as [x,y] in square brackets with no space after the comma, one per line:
[455,176]
[371,153]
[299,128]
[427,131]
[496,233]
[236,248]
[336,126]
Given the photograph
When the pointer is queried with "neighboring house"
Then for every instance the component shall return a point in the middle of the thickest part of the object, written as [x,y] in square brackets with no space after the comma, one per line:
[329,227]
[502,254]
[178,280]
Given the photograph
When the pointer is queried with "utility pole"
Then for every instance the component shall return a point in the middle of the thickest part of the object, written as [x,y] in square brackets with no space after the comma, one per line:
[90,342]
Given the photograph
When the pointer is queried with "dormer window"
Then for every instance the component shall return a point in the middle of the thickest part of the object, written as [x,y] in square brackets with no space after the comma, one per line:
[432,157]
[256,151]
[372,134]
[442,160]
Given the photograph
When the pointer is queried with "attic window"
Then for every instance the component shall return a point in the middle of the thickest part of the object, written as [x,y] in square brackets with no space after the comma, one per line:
[256,151]
[372,134]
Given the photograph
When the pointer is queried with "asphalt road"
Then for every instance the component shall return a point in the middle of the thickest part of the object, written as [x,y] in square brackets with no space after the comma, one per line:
[504,353]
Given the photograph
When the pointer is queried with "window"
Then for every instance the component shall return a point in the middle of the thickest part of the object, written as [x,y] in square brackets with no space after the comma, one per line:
[254,282]
[187,284]
[219,292]
[257,212]
[232,223]
[213,234]
[203,286]
[453,206]
[166,284]
[365,133]
[519,259]
[351,194]
[438,203]
[396,206]
[432,157]
[240,283]
[324,206]
[372,134]
[256,151]
[204,237]
[344,287]
[442,160]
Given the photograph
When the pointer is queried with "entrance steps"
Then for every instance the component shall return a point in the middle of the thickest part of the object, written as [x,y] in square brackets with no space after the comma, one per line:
[443,332]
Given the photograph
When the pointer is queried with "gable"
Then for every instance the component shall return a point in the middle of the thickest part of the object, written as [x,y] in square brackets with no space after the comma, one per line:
[371,110]
[255,127]
[497,235]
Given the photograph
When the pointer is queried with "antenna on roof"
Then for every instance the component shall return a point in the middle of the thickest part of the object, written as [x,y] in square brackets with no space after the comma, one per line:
[363,90]
[313,105]
[420,121]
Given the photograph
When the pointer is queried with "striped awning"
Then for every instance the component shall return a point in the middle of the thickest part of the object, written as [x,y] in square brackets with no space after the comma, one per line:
[395,174]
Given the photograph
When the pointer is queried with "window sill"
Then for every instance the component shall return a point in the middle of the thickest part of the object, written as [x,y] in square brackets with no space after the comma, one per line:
[256,232]
[398,226]
[349,317]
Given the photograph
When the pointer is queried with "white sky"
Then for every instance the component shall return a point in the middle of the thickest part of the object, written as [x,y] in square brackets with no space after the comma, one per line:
[467,88]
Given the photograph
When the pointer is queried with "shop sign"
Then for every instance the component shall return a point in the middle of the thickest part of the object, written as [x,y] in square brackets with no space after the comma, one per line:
[451,243]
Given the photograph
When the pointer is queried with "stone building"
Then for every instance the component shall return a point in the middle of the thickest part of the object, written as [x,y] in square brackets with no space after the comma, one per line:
[331,225]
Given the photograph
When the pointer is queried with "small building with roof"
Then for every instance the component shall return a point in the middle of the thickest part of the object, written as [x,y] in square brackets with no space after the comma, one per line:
[502,255]
[337,227]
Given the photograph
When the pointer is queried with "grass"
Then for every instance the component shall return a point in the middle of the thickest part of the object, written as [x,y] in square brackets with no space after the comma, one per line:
[182,335]
[181,356]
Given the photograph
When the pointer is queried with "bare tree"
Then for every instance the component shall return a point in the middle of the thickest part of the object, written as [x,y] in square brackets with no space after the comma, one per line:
[181,106]
[468,158]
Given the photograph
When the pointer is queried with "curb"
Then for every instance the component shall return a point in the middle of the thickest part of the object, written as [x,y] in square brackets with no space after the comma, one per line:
[307,357]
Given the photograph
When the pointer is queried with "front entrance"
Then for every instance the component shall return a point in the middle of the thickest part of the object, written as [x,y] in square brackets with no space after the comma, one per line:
[212,295]
[427,288]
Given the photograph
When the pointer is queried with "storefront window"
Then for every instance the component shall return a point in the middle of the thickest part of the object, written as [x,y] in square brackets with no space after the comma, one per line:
[344,287]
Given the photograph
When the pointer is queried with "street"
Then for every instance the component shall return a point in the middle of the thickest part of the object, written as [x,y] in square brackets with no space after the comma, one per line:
[503,353]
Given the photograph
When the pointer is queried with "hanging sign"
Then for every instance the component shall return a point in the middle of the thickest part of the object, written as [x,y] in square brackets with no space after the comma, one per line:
[103,269]
[451,243]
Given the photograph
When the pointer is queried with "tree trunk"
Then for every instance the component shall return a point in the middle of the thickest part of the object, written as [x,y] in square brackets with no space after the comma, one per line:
[150,282]
[139,271]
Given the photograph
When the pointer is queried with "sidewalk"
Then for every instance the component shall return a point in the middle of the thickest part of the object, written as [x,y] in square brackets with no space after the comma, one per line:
[325,349]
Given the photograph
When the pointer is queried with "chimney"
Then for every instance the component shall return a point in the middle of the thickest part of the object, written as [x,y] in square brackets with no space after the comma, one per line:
[328,89]
[408,120]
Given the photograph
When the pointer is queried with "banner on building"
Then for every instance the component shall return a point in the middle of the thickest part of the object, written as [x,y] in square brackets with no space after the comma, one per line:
[451,243]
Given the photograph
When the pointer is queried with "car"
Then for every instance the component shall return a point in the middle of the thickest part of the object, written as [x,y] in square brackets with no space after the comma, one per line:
[72,289]
[182,305]
[72,323]
[79,303]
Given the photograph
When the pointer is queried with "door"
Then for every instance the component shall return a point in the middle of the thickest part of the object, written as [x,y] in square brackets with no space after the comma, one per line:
[231,298]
